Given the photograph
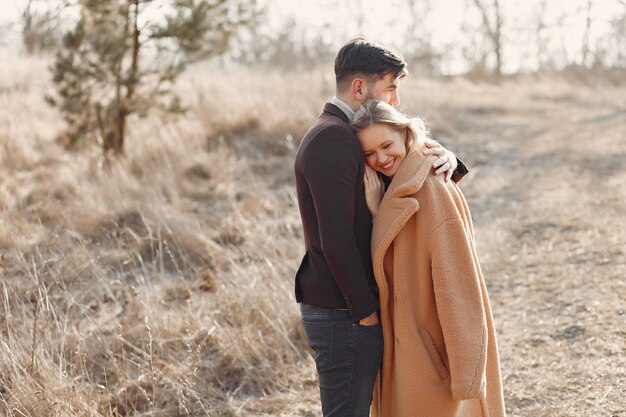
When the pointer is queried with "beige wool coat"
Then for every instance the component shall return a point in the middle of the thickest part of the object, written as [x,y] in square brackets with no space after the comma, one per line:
[440,353]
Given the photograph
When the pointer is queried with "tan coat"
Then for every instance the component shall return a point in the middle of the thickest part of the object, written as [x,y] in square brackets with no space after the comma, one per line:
[440,353]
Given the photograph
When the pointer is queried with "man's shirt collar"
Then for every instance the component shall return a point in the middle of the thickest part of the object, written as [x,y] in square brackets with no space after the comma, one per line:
[345,107]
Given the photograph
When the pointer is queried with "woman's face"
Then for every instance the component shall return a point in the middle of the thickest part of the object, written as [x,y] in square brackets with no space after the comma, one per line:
[383,148]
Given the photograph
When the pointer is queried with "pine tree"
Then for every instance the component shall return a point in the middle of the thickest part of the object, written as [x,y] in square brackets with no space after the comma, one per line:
[123,57]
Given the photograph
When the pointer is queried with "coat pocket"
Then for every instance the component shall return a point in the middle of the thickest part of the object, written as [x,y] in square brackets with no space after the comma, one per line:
[433,353]
[413,357]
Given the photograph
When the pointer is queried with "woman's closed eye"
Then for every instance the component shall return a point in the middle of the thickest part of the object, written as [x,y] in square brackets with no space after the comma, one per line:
[385,146]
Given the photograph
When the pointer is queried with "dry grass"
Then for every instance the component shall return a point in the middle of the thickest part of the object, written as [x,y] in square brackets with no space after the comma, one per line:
[164,287]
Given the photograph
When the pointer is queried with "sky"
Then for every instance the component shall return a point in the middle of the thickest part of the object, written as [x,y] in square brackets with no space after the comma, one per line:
[450,25]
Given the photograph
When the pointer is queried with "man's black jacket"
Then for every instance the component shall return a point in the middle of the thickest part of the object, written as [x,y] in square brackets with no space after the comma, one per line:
[336,271]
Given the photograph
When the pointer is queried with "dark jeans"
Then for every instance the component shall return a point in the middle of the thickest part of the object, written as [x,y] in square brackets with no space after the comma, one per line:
[347,357]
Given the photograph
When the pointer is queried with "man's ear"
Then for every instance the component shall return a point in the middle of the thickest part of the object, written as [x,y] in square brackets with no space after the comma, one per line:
[359,89]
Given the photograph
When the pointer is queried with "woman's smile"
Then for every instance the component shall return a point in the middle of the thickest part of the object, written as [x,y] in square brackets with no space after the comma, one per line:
[388,165]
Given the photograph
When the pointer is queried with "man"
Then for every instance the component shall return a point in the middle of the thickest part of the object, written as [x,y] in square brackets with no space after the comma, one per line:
[335,284]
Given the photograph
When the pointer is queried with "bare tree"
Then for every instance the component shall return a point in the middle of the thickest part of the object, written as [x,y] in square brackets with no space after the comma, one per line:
[287,47]
[357,8]
[417,49]
[493,29]
[41,25]
[613,51]
[619,34]
[540,28]
[585,45]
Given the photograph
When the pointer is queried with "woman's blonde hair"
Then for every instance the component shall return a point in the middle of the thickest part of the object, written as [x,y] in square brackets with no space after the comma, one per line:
[375,111]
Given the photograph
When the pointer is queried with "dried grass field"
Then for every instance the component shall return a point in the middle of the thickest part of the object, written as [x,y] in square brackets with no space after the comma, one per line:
[163,286]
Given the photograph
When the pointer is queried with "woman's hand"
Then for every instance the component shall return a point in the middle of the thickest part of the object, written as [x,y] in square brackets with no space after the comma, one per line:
[446,163]
[374,190]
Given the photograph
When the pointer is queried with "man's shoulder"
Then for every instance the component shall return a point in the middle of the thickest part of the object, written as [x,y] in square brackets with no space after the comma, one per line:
[328,125]
[329,133]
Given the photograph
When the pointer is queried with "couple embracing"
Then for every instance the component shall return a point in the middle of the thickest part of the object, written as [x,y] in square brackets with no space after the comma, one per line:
[391,293]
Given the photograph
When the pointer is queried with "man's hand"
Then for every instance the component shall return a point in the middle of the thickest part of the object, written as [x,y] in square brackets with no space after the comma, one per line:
[446,163]
[370,320]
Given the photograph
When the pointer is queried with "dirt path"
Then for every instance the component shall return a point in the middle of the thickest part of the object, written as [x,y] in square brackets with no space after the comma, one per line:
[547,190]
[547,195]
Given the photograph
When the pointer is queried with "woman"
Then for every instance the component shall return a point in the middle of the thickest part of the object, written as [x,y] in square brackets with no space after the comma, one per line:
[440,353]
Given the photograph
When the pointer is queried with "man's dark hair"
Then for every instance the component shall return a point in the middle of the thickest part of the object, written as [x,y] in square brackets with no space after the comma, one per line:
[360,56]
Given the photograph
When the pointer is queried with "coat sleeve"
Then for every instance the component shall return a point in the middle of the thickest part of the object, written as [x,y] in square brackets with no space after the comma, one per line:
[460,171]
[458,295]
[331,167]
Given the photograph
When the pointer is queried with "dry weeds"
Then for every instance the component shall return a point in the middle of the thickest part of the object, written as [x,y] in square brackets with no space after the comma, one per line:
[164,287]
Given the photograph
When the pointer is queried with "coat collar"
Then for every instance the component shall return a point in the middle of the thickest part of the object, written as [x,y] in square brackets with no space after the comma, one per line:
[410,175]
[336,111]
[397,207]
